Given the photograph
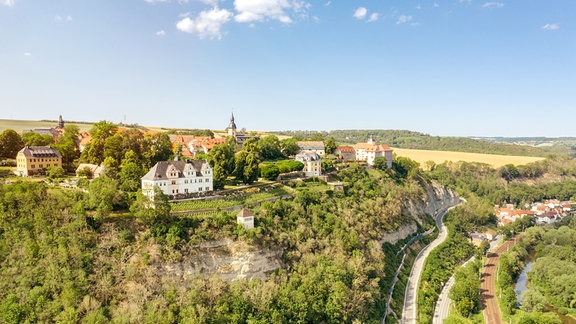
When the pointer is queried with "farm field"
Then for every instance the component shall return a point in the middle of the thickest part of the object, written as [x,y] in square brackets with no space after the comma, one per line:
[496,161]
[20,125]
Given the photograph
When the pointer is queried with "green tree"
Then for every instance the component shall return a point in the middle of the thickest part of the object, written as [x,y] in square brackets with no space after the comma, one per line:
[68,146]
[10,144]
[330,145]
[130,172]
[270,172]
[509,172]
[105,196]
[221,160]
[380,163]
[270,147]
[466,290]
[94,152]
[151,209]
[55,172]
[156,147]
[247,162]
[289,147]
[35,139]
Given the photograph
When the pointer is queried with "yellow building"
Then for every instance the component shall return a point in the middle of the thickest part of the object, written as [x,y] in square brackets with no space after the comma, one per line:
[32,160]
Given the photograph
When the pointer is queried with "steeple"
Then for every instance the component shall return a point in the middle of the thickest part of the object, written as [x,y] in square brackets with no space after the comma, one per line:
[231,126]
[60,122]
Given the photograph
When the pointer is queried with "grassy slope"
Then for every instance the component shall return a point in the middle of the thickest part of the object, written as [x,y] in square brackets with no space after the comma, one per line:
[20,125]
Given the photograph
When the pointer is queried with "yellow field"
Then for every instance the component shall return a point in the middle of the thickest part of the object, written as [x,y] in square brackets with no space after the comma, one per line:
[438,157]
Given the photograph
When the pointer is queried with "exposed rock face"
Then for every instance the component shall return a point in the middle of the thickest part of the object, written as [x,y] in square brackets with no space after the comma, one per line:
[228,259]
[237,260]
[436,198]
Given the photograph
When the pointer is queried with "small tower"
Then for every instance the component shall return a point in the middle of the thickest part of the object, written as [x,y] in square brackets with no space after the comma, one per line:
[246,218]
[371,140]
[231,127]
[60,122]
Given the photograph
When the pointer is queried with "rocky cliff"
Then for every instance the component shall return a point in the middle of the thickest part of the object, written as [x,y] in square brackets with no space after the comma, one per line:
[237,260]
[228,259]
[435,198]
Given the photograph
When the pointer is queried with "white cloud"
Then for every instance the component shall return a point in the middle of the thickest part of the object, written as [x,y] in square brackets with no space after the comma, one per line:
[157,1]
[27,54]
[61,18]
[259,10]
[9,3]
[465,1]
[402,19]
[206,24]
[360,13]
[160,33]
[491,5]
[551,27]
[373,17]
[213,3]
[435,5]
[327,4]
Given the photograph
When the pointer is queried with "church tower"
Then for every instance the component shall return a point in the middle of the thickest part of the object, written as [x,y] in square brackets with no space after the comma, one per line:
[60,122]
[231,127]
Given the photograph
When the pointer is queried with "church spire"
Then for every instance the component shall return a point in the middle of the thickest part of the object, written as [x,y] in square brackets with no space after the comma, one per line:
[231,126]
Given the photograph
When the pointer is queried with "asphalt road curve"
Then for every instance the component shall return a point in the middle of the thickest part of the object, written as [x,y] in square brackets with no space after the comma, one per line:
[409,314]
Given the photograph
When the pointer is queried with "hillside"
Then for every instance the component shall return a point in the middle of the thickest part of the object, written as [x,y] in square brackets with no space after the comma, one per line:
[414,140]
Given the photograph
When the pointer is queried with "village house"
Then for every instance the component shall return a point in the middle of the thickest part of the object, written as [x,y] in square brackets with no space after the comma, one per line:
[312,146]
[370,150]
[510,214]
[33,160]
[178,178]
[312,163]
[95,170]
[546,212]
[346,153]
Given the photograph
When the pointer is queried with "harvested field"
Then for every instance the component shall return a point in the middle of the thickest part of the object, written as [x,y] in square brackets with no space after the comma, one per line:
[438,157]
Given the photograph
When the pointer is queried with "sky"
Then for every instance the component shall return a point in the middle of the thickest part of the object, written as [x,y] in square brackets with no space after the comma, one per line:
[444,67]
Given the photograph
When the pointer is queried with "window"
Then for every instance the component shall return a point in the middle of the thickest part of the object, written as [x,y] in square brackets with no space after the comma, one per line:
[186,190]
[199,180]
[207,180]
[33,166]
[173,182]
[200,189]
[207,188]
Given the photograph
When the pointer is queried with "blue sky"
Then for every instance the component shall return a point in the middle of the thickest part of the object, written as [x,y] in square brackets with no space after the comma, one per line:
[445,67]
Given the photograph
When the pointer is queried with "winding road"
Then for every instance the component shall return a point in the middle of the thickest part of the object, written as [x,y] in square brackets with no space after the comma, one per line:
[409,314]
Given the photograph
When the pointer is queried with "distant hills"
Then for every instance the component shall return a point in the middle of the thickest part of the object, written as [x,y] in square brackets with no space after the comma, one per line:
[522,146]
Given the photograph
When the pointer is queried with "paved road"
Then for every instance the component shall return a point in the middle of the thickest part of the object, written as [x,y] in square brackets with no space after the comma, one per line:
[443,304]
[488,286]
[409,314]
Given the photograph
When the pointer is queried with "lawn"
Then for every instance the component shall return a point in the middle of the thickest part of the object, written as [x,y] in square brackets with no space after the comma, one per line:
[422,156]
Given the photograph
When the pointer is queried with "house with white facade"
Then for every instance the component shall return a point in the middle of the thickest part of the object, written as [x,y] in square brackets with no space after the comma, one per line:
[312,146]
[246,218]
[178,178]
[370,150]
[312,163]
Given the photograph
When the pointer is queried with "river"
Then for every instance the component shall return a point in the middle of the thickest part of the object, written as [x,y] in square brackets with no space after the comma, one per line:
[522,286]
[522,283]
